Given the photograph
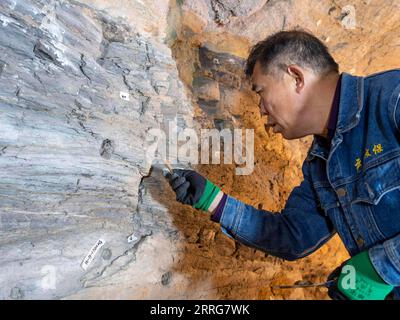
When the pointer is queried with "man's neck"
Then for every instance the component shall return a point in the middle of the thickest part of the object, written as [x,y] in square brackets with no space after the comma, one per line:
[323,102]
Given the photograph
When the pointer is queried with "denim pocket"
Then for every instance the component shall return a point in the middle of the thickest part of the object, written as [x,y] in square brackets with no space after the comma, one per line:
[379,190]
[327,198]
[376,181]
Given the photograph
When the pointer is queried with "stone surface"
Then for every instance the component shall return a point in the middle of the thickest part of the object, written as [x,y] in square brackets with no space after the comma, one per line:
[79,91]
[81,85]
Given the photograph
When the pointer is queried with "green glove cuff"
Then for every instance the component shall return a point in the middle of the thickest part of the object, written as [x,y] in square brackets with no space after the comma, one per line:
[360,281]
[210,193]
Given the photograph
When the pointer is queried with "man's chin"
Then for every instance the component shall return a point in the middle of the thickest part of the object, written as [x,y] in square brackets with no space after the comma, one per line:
[279,130]
[289,136]
[286,137]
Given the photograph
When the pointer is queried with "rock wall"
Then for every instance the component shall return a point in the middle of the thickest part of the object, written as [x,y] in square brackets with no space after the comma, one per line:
[79,92]
[81,85]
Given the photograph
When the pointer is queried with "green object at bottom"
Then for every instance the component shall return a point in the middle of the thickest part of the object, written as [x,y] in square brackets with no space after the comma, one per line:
[359,280]
[209,194]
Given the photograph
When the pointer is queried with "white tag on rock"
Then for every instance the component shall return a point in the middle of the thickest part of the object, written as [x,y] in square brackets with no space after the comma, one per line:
[90,256]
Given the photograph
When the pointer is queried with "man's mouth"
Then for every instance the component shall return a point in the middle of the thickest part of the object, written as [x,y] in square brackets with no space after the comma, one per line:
[274,125]
[269,125]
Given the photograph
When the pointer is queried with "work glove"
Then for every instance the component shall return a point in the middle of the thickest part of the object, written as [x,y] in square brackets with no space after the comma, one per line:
[367,285]
[193,189]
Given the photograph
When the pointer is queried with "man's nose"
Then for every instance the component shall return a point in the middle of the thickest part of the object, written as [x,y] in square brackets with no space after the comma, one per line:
[263,109]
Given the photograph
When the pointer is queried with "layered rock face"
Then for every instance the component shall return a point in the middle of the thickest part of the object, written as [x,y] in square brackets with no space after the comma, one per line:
[82,83]
[79,92]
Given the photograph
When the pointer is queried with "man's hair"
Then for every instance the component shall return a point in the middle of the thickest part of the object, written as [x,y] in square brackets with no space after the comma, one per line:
[284,48]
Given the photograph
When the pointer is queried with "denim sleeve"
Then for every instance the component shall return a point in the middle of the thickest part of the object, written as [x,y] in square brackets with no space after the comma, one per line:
[385,258]
[298,230]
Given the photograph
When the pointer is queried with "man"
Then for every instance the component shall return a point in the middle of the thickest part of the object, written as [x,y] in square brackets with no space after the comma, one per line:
[351,174]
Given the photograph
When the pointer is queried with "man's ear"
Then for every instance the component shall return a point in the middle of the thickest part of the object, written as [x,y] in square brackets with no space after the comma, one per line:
[298,76]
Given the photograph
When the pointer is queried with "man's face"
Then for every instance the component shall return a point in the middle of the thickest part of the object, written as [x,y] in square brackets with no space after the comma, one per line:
[280,100]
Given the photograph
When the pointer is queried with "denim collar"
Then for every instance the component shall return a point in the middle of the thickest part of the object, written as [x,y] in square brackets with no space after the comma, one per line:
[350,107]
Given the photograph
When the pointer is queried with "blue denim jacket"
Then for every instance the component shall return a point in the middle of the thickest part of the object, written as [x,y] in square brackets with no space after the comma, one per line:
[351,187]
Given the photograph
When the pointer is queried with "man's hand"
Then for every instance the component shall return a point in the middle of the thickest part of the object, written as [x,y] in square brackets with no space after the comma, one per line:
[193,189]
[356,279]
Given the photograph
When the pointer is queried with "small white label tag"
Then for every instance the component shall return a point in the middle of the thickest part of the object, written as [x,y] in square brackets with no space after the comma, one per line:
[124,95]
[90,256]
[132,238]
